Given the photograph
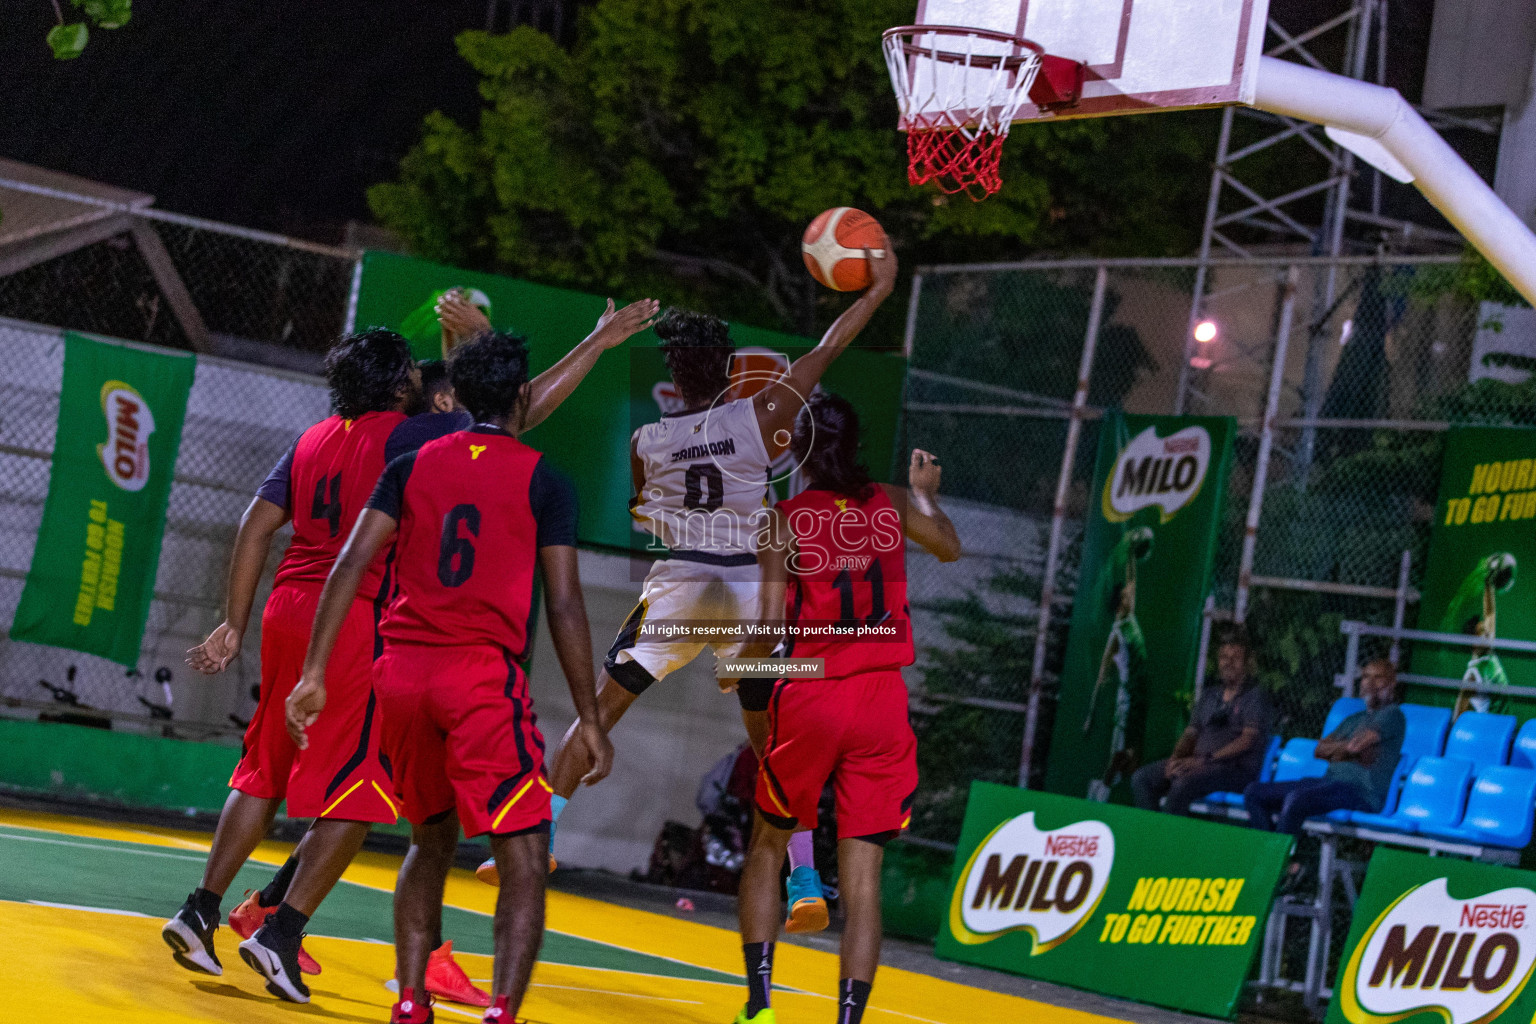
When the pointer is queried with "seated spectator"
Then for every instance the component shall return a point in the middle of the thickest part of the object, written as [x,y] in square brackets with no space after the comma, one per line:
[1223,747]
[1361,753]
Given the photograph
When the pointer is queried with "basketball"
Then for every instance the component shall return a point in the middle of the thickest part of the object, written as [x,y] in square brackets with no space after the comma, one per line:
[834,244]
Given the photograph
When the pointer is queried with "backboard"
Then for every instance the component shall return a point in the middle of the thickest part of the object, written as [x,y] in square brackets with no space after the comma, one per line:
[1141,55]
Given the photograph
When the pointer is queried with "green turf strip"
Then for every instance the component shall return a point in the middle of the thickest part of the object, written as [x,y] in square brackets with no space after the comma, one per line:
[153,880]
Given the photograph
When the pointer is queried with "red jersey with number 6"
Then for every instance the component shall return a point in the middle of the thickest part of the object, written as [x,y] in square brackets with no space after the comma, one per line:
[332,469]
[848,587]
[474,508]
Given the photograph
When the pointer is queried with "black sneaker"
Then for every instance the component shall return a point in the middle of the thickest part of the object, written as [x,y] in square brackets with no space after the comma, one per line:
[276,958]
[191,940]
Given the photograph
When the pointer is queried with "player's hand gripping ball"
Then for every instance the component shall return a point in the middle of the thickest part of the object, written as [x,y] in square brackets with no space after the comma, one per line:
[834,244]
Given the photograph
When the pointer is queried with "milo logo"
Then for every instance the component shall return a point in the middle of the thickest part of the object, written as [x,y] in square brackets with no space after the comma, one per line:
[125,453]
[1163,471]
[1045,883]
[1466,960]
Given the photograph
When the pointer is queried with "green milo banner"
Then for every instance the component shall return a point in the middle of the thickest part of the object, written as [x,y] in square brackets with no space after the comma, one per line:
[1481,574]
[93,571]
[1148,544]
[588,436]
[1150,907]
[1438,941]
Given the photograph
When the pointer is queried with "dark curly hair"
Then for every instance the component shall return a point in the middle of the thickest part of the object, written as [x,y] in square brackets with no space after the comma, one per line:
[698,350]
[826,444]
[434,378]
[488,374]
[369,372]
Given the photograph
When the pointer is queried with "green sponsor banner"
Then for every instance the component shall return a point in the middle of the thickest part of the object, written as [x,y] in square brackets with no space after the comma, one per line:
[1438,941]
[588,436]
[93,571]
[1158,491]
[1150,907]
[1481,573]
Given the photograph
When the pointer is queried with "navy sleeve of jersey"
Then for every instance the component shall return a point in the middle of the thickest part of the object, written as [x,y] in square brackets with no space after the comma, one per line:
[553,498]
[389,492]
[411,434]
[278,484]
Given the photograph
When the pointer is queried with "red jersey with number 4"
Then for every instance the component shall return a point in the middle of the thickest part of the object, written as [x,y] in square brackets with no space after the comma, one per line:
[335,465]
[474,508]
[848,587]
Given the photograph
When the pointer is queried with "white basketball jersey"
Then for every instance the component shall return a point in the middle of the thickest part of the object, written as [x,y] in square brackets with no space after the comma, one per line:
[705,479]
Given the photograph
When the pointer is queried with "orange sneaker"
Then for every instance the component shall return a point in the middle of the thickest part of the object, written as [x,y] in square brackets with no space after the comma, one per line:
[447,980]
[488,874]
[250,915]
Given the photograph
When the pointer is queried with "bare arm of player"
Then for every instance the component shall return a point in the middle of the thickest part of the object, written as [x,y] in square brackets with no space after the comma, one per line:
[252,542]
[636,463]
[572,635]
[921,518]
[775,547]
[371,532]
[554,385]
[778,404]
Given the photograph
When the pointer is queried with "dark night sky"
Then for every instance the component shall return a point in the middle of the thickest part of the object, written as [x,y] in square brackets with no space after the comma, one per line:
[279,114]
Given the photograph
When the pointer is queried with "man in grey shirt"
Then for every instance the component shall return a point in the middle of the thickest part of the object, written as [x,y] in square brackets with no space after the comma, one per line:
[1361,753]
[1223,746]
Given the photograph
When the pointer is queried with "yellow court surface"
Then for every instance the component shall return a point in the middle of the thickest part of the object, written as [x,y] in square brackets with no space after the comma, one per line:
[82,901]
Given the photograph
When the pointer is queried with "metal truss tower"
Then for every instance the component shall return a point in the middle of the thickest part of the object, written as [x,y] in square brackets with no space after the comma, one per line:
[1352,205]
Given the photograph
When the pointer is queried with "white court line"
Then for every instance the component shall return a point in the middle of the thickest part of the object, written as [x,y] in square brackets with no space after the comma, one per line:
[93,910]
[185,844]
[119,848]
[611,992]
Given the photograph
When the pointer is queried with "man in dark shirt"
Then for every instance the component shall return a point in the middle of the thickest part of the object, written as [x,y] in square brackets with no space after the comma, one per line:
[1361,753]
[1223,746]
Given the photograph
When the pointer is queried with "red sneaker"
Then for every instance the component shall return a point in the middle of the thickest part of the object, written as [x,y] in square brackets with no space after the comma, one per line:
[250,915]
[499,1014]
[409,1011]
[447,980]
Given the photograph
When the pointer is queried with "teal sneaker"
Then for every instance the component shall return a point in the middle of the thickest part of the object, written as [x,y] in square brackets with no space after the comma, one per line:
[807,903]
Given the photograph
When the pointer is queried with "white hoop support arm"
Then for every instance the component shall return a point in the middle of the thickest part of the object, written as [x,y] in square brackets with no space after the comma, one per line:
[1382,116]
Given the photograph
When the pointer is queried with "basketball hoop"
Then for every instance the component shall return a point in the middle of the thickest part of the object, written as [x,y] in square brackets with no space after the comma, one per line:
[958,89]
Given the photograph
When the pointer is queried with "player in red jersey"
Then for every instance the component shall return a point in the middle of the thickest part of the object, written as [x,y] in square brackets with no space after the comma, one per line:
[472,514]
[321,484]
[833,565]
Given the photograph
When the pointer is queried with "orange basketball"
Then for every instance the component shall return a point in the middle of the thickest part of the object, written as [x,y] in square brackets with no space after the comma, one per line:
[834,244]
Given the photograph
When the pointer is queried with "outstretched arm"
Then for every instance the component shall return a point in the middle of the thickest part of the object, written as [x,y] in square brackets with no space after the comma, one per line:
[775,547]
[554,385]
[778,403]
[921,518]
[372,531]
[252,542]
[572,635]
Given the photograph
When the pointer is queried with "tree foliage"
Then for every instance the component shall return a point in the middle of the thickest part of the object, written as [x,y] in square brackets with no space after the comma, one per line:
[682,146]
[68,39]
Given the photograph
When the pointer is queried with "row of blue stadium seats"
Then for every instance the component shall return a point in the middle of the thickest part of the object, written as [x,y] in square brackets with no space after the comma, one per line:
[1473,782]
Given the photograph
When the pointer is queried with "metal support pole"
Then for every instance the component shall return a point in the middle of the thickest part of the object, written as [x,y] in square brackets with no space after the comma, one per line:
[1212,204]
[1266,443]
[909,338]
[1058,520]
[1207,623]
[349,321]
[1322,925]
[1400,610]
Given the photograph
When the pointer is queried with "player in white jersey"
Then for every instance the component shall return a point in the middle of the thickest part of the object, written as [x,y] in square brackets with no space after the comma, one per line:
[701,476]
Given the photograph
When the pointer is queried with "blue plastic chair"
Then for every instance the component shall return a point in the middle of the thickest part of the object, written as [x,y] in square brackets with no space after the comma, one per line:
[1433,797]
[1342,709]
[1226,798]
[1425,729]
[1481,738]
[1499,810]
[1296,762]
[1523,754]
[1394,791]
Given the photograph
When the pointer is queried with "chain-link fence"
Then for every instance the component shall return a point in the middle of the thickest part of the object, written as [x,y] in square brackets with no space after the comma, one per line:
[239,421]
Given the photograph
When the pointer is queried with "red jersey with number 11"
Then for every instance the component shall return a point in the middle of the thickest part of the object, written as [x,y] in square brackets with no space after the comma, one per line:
[332,469]
[848,586]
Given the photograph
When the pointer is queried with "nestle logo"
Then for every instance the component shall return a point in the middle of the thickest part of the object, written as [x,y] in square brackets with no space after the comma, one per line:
[1071,846]
[1492,915]
[1181,445]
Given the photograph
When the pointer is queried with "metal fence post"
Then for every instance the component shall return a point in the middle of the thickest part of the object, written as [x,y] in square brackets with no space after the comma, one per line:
[1058,520]
[1266,442]
[909,338]
[349,319]
[1400,606]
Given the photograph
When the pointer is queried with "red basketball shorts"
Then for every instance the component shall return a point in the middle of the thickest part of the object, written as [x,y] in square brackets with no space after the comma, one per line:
[341,775]
[854,731]
[461,733]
